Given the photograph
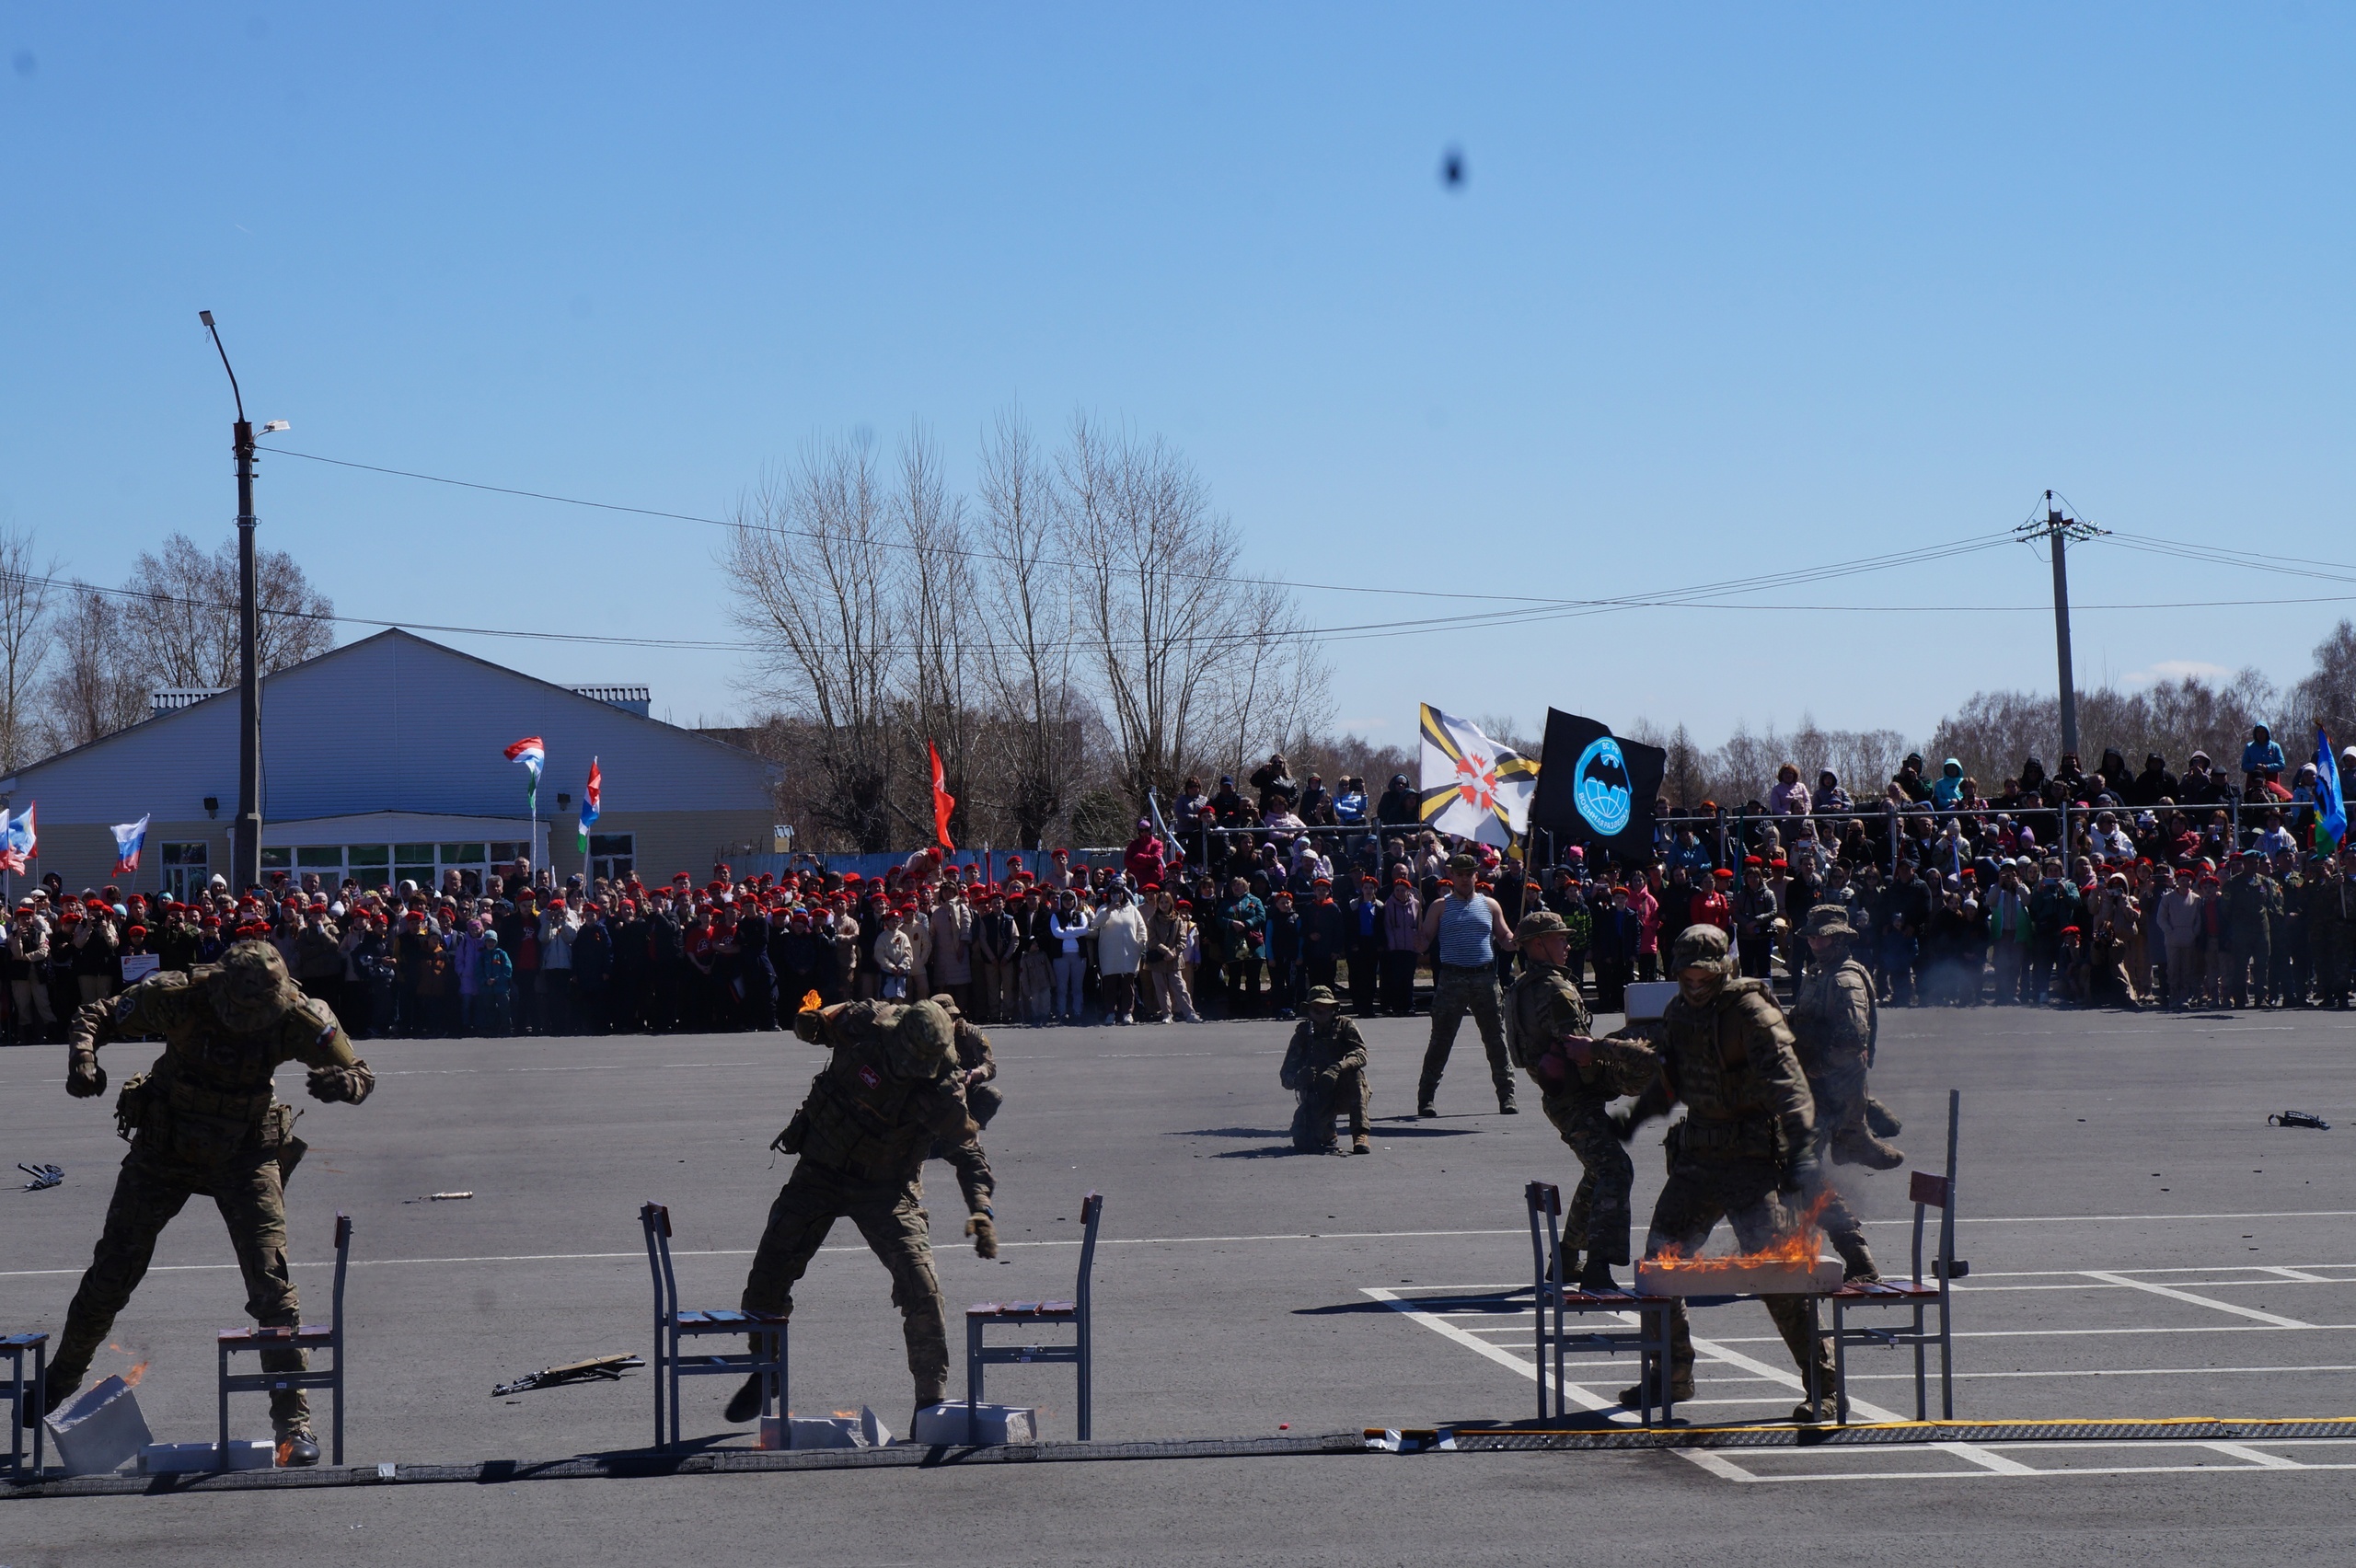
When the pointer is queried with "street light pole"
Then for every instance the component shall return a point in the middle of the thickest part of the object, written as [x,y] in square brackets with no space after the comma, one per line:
[245,832]
[2057,529]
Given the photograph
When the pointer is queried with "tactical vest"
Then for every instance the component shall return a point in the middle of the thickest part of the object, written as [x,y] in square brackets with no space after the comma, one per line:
[1706,1056]
[857,1118]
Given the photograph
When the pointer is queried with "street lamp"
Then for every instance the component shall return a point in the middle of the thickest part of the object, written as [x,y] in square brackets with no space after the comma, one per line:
[245,833]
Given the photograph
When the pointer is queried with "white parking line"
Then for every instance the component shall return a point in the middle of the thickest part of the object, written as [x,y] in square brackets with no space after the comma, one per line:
[2174,1295]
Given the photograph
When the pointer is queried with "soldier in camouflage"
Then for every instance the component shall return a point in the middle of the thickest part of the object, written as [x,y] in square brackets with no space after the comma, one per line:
[890,1089]
[203,1122]
[978,1065]
[1833,1025]
[1325,1065]
[1577,1078]
[1747,1142]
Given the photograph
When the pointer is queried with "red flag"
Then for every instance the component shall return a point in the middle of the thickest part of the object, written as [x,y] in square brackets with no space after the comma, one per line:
[944,802]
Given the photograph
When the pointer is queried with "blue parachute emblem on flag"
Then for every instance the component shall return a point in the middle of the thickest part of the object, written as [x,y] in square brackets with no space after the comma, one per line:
[1601,790]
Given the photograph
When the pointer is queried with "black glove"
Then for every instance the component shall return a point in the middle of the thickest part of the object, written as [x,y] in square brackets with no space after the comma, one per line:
[1801,1174]
[85,1079]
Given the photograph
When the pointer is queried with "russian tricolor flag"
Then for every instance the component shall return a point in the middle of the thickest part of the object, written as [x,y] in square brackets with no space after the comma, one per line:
[128,837]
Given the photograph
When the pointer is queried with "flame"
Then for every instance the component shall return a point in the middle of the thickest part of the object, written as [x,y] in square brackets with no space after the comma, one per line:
[1797,1247]
[286,1453]
[846,1415]
[131,1379]
[809,1001]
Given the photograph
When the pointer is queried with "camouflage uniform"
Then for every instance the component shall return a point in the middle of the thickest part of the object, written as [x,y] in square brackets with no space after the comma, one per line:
[2252,905]
[2331,928]
[1545,1009]
[979,1064]
[873,1111]
[1747,1132]
[203,1123]
[1326,1067]
[1833,1024]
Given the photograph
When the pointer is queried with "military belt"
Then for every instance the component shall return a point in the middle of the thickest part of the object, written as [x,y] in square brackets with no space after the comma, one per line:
[203,1101]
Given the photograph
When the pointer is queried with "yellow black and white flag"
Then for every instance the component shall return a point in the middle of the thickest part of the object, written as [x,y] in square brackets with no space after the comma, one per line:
[1473,787]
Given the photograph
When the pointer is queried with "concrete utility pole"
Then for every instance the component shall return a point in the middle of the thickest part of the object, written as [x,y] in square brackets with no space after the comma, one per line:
[2056,528]
[245,833]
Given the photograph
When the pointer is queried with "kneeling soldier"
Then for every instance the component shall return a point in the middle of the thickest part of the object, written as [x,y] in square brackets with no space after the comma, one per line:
[1325,1065]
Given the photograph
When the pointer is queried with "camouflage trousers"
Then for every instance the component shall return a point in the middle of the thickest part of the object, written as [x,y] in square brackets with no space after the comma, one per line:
[2249,962]
[976,1181]
[2329,945]
[890,1215]
[249,1191]
[1742,1193]
[1600,1218]
[1457,990]
[1350,1091]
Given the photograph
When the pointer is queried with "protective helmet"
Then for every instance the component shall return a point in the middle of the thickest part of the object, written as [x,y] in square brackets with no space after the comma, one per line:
[945,1002]
[253,991]
[1540,923]
[1827,921]
[923,1030]
[810,1026]
[1322,997]
[1700,947]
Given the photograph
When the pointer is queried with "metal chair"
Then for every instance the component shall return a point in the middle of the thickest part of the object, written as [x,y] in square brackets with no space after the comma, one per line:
[1028,1314]
[1551,1296]
[20,1390]
[1922,1295]
[309,1336]
[672,1324]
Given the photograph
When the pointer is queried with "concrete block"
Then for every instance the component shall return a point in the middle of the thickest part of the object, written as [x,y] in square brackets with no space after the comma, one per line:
[993,1423]
[97,1431]
[1736,1276]
[182,1458]
[865,1430]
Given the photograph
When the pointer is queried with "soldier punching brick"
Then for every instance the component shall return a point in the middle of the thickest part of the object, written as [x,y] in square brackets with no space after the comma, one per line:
[1325,1067]
[203,1123]
[1746,1143]
[891,1088]
[1462,931]
[1546,1031]
[979,1066]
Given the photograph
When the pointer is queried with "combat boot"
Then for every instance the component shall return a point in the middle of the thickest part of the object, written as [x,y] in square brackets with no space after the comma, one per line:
[746,1402]
[298,1447]
[1358,1144]
[1855,1146]
[1596,1276]
[1856,1261]
[60,1391]
[1882,1119]
[1820,1413]
[1679,1388]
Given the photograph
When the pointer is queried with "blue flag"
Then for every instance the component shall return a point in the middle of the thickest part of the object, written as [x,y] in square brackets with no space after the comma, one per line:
[2331,812]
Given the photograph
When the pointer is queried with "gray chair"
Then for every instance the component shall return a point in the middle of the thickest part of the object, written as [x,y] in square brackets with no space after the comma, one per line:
[1553,1298]
[674,1325]
[1027,1315]
[23,1392]
[309,1336]
[1921,1295]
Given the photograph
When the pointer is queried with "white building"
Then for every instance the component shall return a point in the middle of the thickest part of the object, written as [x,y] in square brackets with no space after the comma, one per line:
[384,759]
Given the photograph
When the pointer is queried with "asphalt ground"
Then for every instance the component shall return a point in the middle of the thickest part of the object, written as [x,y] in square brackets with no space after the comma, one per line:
[2141,1245]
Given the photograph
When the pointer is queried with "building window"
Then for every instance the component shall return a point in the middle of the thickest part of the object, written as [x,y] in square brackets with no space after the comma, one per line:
[186,870]
[277,860]
[319,858]
[612,855]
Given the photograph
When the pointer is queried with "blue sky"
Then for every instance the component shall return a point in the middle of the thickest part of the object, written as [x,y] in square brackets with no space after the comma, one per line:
[1728,289]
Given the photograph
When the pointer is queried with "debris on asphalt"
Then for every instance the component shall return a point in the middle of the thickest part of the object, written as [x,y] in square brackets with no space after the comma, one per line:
[43,1176]
[2299,1119]
[597,1368]
[437,1198]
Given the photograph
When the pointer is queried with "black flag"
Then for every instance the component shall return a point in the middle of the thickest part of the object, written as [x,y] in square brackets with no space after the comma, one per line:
[1594,787]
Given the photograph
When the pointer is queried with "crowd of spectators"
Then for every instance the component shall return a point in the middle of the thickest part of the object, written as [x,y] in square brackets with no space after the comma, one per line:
[2115,885]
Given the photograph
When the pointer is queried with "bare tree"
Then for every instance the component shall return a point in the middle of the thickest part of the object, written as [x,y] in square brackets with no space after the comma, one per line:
[938,625]
[90,693]
[27,632]
[1026,665]
[814,572]
[184,632]
[1171,622]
